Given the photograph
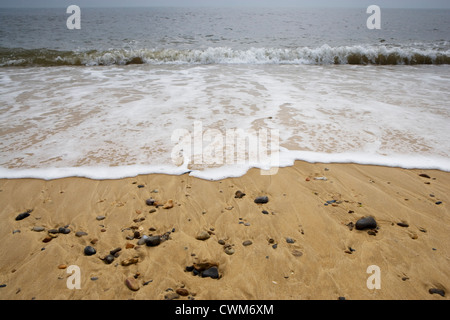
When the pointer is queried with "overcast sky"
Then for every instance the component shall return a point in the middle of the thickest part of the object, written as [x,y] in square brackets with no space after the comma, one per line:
[225,3]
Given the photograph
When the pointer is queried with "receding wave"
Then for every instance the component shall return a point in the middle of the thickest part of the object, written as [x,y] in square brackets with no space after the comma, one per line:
[324,55]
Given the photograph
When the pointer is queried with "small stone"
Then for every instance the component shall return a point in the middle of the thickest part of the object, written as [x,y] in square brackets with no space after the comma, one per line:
[403,224]
[247,243]
[290,240]
[132,284]
[438,202]
[53,231]
[168,204]
[424,175]
[182,292]
[297,253]
[171,296]
[265,212]
[150,202]
[229,250]
[38,229]
[94,241]
[89,251]
[221,242]
[80,233]
[129,261]
[115,252]
[212,272]
[152,210]
[140,186]
[99,218]
[239,194]
[94,278]
[129,246]
[64,230]
[142,240]
[202,235]
[372,232]
[62,266]
[437,291]
[153,241]
[366,223]
[264,199]
[47,239]
[109,259]
[23,215]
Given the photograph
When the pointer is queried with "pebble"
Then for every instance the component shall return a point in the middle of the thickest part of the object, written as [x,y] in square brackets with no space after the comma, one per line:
[239,194]
[366,223]
[212,272]
[64,230]
[108,259]
[168,204]
[150,202]
[171,296]
[424,175]
[94,278]
[247,243]
[23,215]
[264,199]
[202,235]
[80,233]
[115,252]
[182,292]
[153,241]
[99,218]
[265,212]
[437,291]
[403,224]
[438,202]
[221,242]
[89,251]
[16,231]
[229,250]
[132,284]
[290,240]
[38,229]
[62,266]
[142,240]
[129,261]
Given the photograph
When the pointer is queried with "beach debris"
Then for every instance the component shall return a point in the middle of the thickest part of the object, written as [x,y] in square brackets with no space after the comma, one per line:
[437,291]
[108,259]
[202,235]
[424,175]
[132,283]
[239,194]
[24,215]
[89,251]
[366,223]
[321,178]
[263,199]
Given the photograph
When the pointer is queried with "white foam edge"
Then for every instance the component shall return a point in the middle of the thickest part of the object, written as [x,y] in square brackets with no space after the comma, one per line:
[286,158]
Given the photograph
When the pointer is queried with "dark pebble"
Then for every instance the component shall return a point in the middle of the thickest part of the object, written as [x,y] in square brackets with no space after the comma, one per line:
[264,199]
[438,202]
[189,268]
[109,259]
[265,212]
[153,241]
[239,194]
[403,224]
[150,202]
[23,215]
[437,291]
[424,175]
[366,223]
[89,251]
[115,251]
[341,298]
[140,186]
[212,272]
[53,231]
[64,230]
[290,240]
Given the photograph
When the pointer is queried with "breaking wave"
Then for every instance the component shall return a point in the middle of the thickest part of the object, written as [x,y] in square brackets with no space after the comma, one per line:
[324,55]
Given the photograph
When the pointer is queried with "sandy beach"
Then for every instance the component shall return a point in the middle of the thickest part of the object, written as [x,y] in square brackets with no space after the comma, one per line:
[302,244]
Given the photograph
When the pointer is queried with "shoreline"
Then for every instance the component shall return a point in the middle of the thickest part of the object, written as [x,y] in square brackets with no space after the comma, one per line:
[301,245]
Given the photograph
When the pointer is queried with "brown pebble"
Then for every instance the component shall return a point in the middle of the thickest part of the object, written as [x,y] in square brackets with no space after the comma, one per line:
[129,246]
[437,291]
[182,292]
[47,239]
[94,241]
[239,194]
[138,211]
[62,266]
[132,284]
[130,261]
[247,243]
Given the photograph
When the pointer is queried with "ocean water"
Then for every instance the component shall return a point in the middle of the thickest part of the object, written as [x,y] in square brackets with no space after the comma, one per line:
[117,97]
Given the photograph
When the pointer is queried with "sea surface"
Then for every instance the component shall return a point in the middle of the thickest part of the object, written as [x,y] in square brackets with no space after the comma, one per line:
[162,90]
